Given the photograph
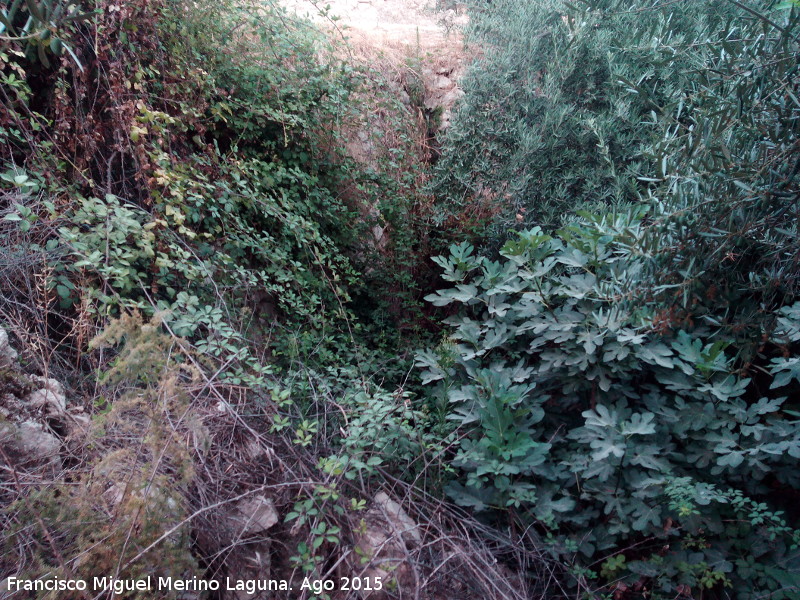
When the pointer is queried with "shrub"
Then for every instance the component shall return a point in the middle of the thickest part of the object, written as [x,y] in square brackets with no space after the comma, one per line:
[582,413]
[548,124]
[41,27]
[127,514]
[629,381]
[213,192]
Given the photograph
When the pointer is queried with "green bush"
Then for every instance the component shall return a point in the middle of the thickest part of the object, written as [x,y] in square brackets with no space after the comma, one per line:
[727,182]
[224,201]
[583,413]
[548,124]
[41,27]
[629,382]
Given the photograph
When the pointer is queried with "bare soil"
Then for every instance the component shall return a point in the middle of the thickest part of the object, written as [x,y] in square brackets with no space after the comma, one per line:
[400,33]
[411,22]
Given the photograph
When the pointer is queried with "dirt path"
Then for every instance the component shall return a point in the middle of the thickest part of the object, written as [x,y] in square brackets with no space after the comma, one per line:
[400,30]
[410,22]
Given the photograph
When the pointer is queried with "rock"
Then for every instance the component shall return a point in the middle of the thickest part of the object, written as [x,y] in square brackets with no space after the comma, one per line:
[115,494]
[252,516]
[50,385]
[51,402]
[443,83]
[256,564]
[4,586]
[238,532]
[447,116]
[389,537]
[29,445]
[77,422]
[452,97]
[398,519]
[379,234]
[257,449]
[7,354]
[38,442]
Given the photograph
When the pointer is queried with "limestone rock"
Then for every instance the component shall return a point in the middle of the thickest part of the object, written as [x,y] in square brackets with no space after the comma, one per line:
[452,97]
[51,402]
[240,531]
[388,539]
[29,445]
[50,385]
[252,516]
[77,422]
[7,354]
[443,83]
[398,519]
[4,586]
[114,495]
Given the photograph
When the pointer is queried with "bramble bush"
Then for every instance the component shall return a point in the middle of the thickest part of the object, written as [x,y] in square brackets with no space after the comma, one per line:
[212,197]
[179,160]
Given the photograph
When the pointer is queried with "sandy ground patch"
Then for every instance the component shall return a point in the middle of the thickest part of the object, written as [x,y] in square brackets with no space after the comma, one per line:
[401,34]
[408,22]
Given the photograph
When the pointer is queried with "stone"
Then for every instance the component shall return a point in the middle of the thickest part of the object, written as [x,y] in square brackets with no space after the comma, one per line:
[452,97]
[52,385]
[379,234]
[5,588]
[77,422]
[242,535]
[252,516]
[115,494]
[7,354]
[398,519]
[443,83]
[388,538]
[28,445]
[51,402]
[35,440]
[447,116]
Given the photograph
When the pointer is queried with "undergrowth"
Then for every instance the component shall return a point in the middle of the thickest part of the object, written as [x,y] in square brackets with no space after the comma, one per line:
[176,187]
[217,227]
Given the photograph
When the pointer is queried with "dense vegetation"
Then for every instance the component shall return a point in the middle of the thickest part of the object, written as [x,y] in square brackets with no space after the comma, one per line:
[630,379]
[612,376]
[173,175]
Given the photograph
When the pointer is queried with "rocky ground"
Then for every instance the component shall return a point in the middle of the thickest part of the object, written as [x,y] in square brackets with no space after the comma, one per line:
[36,423]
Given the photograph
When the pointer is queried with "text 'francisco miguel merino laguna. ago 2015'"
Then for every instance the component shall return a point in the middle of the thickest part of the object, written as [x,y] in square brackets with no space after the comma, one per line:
[195,584]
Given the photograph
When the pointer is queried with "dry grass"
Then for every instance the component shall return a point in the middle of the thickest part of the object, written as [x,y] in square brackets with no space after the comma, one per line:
[164,467]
